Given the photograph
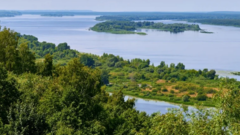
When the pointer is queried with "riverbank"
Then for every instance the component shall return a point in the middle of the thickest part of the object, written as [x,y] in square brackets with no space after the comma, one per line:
[166,99]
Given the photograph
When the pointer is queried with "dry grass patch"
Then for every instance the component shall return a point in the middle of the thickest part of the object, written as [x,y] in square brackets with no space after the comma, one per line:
[161,81]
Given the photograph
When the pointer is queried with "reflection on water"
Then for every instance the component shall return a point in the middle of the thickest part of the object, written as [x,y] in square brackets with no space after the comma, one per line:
[219,51]
[152,106]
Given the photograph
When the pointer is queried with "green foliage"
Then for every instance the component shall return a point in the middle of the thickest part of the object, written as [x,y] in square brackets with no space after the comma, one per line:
[105,77]
[128,27]
[63,46]
[48,65]
[185,98]
[164,90]
[87,60]
[201,97]
[8,92]
[27,59]
[24,119]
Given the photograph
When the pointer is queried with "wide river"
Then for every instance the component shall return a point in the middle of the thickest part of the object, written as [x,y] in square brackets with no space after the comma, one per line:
[219,51]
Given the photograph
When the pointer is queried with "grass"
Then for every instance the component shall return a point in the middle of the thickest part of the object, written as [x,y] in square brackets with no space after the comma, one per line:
[203,31]
[121,32]
[207,103]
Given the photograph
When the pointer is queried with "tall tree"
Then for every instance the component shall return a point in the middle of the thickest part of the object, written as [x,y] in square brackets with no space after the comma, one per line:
[8,93]
[8,51]
[48,65]
[27,59]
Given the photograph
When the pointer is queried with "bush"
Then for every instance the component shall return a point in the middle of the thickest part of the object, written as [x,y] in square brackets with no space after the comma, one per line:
[154,93]
[160,94]
[211,91]
[191,92]
[165,90]
[185,98]
[173,80]
[201,97]
[154,90]
[177,87]
[172,91]
[144,85]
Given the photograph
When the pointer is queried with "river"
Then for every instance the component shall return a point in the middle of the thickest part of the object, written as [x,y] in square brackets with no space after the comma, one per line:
[196,50]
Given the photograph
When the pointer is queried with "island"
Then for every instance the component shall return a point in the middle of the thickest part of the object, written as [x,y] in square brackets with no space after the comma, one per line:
[130,27]
[236,73]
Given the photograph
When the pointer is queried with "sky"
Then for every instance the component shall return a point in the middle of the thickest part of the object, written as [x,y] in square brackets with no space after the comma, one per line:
[123,5]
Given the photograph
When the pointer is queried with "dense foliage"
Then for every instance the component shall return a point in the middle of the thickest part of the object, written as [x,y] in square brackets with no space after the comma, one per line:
[62,52]
[128,27]
[72,99]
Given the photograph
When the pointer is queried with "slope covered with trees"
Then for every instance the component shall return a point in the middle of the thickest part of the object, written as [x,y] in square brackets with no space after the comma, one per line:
[42,98]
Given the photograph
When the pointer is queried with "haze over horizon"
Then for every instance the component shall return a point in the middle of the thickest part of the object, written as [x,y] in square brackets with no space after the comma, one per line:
[124,5]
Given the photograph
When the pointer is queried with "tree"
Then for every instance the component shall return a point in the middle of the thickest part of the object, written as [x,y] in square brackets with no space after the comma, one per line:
[24,119]
[201,97]
[105,77]
[185,98]
[48,65]
[63,46]
[211,74]
[27,59]
[172,65]
[180,66]
[162,64]
[87,60]
[85,80]
[8,51]
[8,93]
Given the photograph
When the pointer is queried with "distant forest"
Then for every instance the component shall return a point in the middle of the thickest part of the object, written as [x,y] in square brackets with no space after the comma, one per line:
[9,13]
[215,18]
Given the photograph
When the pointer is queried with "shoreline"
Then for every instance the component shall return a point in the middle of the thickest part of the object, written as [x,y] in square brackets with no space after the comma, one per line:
[162,99]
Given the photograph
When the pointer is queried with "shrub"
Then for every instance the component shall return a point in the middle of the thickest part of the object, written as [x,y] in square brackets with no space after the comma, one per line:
[177,87]
[201,97]
[144,85]
[154,93]
[185,98]
[172,91]
[211,91]
[173,80]
[165,90]
[160,94]
[191,92]
[155,90]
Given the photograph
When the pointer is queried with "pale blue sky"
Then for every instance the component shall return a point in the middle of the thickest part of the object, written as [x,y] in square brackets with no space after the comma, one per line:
[122,5]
